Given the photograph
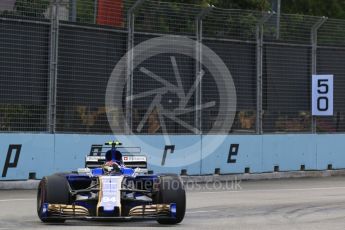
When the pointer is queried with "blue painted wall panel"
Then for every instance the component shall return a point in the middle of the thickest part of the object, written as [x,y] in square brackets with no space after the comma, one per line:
[186,154]
[249,154]
[48,153]
[289,152]
[70,151]
[330,150]
[37,155]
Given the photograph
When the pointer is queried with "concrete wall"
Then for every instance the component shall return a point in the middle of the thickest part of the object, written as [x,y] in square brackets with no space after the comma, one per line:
[44,154]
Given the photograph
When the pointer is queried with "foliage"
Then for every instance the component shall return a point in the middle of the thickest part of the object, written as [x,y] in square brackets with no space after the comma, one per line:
[260,5]
[16,117]
[329,8]
[85,8]
[85,11]
[31,8]
[233,4]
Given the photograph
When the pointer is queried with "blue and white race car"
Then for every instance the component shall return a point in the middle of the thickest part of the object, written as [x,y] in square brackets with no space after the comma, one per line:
[112,186]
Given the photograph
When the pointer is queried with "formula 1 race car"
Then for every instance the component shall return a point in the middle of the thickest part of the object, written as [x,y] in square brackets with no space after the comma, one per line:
[112,186]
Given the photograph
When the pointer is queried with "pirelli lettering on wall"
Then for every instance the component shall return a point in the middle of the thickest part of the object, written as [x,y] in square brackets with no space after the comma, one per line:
[233,151]
[171,149]
[12,158]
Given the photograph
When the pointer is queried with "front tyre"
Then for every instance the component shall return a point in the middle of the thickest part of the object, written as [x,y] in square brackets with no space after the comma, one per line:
[171,191]
[53,190]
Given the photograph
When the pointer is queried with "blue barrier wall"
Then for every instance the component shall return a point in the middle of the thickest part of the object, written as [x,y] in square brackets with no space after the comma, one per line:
[44,154]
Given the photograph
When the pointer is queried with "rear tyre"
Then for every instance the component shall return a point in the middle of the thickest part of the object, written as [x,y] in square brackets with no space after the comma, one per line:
[171,191]
[53,190]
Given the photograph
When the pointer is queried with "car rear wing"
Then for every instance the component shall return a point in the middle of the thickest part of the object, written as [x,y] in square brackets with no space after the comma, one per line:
[131,157]
[101,150]
[131,161]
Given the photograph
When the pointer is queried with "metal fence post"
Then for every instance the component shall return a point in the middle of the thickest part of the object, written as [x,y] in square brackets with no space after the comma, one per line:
[276,6]
[72,10]
[53,59]
[129,79]
[95,13]
[259,64]
[278,18]
[198,68]
[314,31]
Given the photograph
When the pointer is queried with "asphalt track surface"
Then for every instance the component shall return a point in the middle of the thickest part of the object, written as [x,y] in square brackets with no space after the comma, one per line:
[273,204]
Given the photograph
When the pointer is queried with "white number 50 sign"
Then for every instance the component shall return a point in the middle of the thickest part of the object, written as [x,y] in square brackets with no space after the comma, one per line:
[322,95]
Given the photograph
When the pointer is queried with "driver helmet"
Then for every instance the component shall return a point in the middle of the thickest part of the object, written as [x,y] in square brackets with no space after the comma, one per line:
[111,167]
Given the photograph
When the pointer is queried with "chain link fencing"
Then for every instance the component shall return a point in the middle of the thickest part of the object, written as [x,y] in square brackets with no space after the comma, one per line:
[57,57]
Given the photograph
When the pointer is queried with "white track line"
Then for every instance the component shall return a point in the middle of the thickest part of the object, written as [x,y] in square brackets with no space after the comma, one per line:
[202,211]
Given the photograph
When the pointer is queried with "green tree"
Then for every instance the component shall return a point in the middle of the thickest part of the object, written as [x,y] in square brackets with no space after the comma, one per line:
[85,11]
[233,4]
[329,8]
[242,4]
[31,8]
